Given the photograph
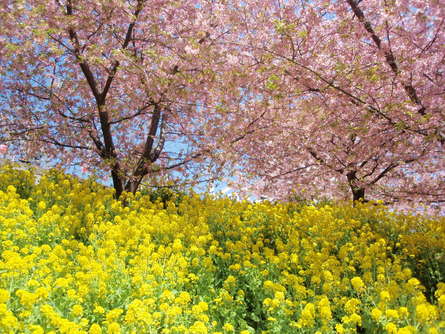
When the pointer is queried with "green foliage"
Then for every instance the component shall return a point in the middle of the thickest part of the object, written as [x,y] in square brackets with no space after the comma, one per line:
[164,195]
[22,178]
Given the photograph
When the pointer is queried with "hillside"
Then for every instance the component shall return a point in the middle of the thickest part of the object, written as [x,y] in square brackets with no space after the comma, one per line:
[74,260]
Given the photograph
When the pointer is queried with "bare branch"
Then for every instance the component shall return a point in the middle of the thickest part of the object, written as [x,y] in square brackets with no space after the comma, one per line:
[138,113]
[291,171]
[389,56]
[127,40]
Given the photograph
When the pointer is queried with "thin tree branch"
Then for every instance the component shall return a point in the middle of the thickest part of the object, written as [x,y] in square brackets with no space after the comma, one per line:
[389,56]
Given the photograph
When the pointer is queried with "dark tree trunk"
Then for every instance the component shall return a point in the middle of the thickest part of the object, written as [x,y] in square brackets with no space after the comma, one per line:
[133,186]
[151,153]
[117,183]
[358,192]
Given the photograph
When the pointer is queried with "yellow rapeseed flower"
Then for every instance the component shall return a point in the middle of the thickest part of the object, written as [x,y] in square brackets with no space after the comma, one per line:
[95,329]
[358,284]
[4,296]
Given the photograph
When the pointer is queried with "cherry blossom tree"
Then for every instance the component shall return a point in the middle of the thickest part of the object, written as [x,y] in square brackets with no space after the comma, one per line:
[319,97]
[355,93]
[123,87]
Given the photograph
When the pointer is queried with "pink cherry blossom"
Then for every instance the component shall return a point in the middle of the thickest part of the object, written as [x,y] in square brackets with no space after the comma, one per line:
[111,84]
[3,149]
[344,99]
[319,98]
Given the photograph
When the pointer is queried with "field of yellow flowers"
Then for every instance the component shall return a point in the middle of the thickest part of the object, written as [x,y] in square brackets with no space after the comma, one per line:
[74,260]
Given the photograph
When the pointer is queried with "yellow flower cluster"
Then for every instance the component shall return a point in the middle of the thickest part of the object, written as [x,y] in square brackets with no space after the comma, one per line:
[74,260]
